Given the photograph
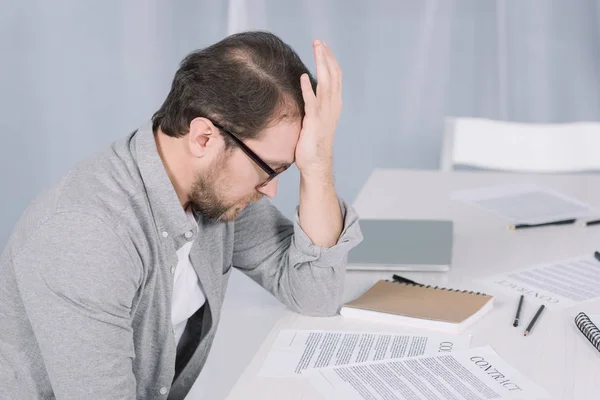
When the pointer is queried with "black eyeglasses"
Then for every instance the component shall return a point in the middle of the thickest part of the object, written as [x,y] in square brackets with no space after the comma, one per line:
[253,156]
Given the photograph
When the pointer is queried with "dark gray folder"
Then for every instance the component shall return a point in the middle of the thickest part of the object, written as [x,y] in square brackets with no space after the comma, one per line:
[403,245]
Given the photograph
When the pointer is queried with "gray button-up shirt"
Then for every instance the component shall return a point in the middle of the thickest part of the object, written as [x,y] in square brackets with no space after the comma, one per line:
[86,283]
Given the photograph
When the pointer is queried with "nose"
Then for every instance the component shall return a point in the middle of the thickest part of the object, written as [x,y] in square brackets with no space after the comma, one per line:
[270,190]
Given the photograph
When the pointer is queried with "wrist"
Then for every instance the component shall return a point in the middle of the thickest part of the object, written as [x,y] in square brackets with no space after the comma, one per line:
[317,177]
[319,167]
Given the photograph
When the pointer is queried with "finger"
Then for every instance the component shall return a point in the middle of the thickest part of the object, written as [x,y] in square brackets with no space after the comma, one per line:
[334,68]
[323,77]
[310,101]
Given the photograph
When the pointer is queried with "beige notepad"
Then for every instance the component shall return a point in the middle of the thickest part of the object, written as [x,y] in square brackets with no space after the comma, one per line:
[419,306]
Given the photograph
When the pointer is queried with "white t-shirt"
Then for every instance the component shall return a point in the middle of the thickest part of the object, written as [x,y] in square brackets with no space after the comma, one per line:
[187,294]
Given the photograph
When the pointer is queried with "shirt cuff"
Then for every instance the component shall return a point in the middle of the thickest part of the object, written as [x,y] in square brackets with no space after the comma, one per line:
[305,251]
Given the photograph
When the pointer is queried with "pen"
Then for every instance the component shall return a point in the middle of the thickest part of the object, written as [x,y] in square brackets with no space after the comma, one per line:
[594,222]
[535,318]
[521,226]
[516,323]
[400,279]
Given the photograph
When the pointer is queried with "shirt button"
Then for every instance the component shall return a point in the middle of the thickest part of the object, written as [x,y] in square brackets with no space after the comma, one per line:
[173,269]
[189,234]
[165,234]
[163,390]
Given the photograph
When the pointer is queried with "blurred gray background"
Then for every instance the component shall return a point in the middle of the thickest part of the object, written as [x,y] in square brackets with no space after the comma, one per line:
[77,75]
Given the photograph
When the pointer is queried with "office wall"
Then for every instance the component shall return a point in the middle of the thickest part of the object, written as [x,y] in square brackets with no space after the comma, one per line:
[76,75]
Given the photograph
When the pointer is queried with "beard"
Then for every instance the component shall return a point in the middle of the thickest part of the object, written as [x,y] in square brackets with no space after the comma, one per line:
[205,197]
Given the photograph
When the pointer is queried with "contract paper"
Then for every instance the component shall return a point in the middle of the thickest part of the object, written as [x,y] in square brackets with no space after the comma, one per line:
[526,204]
[297,350]
[558,285]
[475,374]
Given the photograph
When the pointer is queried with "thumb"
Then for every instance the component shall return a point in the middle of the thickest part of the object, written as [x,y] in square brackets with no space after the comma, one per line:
[310,100]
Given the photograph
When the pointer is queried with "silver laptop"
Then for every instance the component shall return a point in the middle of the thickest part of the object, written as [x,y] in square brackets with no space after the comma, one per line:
[403,245]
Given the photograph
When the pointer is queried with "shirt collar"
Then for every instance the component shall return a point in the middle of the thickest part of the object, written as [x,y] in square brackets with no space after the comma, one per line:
[169,215]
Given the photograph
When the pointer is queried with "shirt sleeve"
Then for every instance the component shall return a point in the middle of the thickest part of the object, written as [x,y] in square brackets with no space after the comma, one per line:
[277,254]
[77,283]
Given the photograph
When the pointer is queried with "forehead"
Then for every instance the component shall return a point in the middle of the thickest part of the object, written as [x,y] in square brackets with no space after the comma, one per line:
[278,141]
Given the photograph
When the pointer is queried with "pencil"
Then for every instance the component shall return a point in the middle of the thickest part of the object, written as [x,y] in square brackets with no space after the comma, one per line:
[535,318]
[522,226]
[516,323]
[401,279]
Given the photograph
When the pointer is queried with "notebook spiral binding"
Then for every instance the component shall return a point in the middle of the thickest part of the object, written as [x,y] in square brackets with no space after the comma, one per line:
[438,288]
[589,329]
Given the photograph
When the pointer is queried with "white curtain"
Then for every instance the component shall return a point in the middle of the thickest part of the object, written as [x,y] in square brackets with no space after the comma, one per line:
[77,75]
[407,64]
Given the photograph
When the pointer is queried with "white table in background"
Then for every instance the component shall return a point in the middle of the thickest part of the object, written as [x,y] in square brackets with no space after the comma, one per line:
[555,356]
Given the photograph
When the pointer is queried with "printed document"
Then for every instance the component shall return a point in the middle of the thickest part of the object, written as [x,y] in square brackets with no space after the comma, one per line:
[476,374]
[297,350]
[558,285]
[526,204]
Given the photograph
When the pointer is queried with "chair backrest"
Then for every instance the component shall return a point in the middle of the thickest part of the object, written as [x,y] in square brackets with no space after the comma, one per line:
[519,147]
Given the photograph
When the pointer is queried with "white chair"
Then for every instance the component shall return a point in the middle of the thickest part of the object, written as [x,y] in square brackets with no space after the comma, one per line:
[519,147]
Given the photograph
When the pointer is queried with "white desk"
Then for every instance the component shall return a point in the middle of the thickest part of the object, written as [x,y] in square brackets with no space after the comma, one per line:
[555,356]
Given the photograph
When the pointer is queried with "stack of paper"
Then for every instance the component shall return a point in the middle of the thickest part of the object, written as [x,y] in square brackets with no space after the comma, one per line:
[390,366]
[477,374]
[297,350]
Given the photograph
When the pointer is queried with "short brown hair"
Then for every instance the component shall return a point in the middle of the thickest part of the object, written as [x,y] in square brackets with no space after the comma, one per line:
[244,82]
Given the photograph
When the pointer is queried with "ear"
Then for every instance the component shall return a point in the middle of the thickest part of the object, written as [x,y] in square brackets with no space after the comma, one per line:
[202,137]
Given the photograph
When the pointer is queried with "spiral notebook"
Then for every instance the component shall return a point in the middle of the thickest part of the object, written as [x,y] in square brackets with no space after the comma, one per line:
[589,328]
[419,306]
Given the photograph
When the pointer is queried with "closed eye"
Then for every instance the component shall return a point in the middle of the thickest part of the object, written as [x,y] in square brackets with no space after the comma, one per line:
[278,165]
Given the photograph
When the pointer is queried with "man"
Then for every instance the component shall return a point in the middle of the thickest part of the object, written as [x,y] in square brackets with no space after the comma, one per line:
[113,281]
